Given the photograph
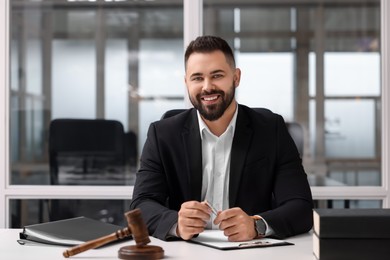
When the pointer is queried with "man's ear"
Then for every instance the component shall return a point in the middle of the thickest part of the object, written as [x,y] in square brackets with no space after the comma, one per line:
[237,77]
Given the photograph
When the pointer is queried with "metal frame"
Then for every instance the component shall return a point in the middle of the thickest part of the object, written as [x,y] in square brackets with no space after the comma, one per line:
[385,68]
[4,7]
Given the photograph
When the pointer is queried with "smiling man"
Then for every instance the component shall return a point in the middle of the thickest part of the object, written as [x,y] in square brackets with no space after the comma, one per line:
[222,155]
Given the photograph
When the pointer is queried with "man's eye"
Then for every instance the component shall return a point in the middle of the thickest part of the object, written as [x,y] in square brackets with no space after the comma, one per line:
[197,79]
[217,76]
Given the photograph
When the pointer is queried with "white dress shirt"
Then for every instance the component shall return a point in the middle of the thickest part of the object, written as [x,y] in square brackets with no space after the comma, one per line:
[216,151]
[216,154]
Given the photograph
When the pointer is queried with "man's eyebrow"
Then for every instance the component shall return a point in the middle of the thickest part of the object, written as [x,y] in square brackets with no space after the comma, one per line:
[217,71]
[196,74]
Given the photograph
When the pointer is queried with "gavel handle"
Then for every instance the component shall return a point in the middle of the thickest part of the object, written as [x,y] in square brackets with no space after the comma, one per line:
[97,242]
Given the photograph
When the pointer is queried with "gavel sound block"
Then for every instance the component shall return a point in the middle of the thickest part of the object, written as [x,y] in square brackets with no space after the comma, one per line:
[136,227]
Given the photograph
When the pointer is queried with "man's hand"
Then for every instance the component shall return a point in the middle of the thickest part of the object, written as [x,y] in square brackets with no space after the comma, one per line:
[236,224]
[193,217]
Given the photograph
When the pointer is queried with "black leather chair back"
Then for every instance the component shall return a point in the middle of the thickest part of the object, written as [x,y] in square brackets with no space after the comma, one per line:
[92,142]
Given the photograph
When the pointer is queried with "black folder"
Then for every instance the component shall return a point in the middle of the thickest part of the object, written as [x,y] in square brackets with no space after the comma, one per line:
[67,232]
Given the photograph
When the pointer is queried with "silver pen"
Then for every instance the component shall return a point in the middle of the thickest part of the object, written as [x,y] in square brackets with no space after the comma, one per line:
[213,210]
[254,243]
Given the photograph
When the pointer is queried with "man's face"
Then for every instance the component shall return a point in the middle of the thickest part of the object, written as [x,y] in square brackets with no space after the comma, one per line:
[211,83]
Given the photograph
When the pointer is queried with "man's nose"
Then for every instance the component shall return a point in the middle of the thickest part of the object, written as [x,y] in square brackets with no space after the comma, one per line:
[208,85]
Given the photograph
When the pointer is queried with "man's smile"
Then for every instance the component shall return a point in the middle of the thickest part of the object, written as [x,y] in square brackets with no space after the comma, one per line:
[210,99]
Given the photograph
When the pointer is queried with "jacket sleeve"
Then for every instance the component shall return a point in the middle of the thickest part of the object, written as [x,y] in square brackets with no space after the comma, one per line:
[292,211]
[150,193]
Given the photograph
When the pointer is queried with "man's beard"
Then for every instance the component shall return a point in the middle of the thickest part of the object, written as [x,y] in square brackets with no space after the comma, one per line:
[215,111]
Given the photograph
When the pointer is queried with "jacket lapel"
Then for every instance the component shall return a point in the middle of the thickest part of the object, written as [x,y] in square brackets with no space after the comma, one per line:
[193,150]
[240,146]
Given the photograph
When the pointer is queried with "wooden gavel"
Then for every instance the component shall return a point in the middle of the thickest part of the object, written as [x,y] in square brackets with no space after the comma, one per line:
[135,227]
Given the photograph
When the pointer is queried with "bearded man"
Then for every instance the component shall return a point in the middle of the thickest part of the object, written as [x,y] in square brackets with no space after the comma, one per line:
[223,155]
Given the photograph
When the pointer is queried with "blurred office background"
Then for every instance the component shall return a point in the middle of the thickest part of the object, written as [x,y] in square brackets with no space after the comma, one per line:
[316,63]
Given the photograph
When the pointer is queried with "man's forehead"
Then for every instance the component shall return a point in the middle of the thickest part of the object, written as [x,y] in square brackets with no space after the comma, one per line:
[201,62]
[218,55]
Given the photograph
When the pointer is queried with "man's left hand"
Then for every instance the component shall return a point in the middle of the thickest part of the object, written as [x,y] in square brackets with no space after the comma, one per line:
[236,224]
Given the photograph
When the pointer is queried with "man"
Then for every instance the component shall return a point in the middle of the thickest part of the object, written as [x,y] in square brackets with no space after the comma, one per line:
[242,162]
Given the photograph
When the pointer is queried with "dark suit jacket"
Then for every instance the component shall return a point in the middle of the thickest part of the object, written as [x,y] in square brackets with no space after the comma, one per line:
[266,173]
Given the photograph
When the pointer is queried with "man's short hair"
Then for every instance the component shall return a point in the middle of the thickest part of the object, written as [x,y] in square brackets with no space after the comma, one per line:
[207,44]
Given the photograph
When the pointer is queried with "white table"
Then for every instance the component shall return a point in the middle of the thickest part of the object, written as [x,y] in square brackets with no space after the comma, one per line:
[10,249]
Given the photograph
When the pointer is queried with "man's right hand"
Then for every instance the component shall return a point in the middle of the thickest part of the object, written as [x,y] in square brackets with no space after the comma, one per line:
[193,217]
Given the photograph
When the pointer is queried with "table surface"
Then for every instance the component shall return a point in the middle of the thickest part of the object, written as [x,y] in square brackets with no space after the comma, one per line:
[10,249]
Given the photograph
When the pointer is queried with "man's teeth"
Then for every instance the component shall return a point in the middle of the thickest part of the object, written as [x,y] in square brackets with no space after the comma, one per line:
[210,98]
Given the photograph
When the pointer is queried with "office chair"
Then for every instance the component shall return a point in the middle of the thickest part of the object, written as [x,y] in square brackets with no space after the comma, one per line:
[294,128]
[85,145]
[87,152]
[296,131]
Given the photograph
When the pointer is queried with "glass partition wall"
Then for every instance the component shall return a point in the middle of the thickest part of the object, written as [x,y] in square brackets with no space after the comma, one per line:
[81,61]
[317,64]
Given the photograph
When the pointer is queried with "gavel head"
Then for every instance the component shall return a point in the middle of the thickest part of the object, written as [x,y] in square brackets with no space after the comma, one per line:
[137,227]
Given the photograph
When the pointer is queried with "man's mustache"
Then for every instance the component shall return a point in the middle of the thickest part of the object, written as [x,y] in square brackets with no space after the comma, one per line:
[205,93]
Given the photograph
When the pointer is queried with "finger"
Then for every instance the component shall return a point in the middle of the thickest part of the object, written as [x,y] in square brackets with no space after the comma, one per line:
[238,228]
[190,216]
[189,233]
[188,227]
[225,215]
[238,237]
[194,214]
[191,222]
[190,204]
[239,234]
[234,218]
[226,223]
[195,209]
[196,205]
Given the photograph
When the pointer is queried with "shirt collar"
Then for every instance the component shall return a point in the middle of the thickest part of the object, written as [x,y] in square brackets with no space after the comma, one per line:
[203,127]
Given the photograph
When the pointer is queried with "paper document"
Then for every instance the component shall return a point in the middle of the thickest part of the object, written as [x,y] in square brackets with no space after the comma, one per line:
[216,239]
